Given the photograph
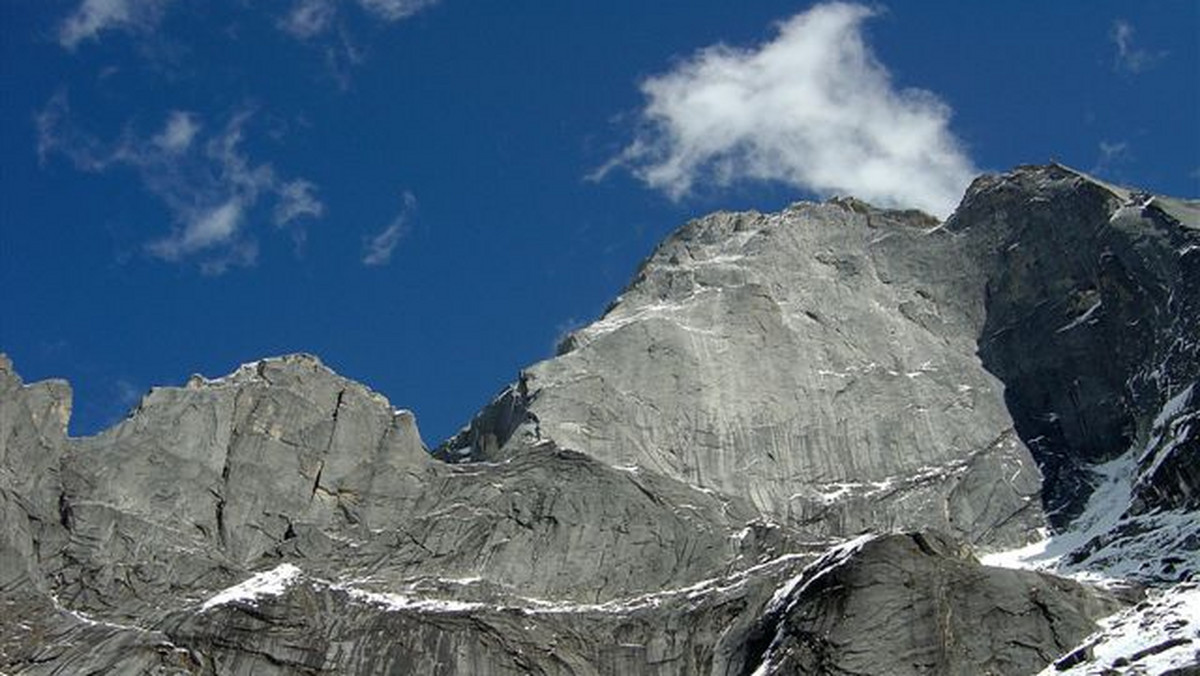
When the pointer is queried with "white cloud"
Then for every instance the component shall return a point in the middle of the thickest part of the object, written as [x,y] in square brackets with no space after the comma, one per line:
[211,189]
[127,393]
[296,200]
[308,18]
[812,108]
[202,230]
[394,10]
[178,132]
[377,250]
[1114,150]
[1130,58]
[93,16]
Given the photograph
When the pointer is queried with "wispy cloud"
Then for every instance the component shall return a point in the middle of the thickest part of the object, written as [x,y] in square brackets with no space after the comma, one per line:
[395,10]
[306,19]
[1111,155]
[297,199]
[377,249]
[127,393]
[1130,58]
[812,108]
[318,23]
[177,135]
[92,17]
[207,181]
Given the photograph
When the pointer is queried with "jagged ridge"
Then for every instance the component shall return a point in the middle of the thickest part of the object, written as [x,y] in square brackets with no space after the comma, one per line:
[656,498]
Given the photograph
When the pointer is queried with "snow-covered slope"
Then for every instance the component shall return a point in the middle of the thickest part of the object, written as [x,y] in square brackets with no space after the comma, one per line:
[1160,635]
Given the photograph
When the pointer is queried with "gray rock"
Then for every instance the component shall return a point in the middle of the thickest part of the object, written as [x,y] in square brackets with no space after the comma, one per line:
[285,459]
[1092,314]
[918,604]
[819,363]
[33,432]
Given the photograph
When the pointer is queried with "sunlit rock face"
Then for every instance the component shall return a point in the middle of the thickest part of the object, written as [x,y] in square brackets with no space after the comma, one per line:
[820,363]
[777,452]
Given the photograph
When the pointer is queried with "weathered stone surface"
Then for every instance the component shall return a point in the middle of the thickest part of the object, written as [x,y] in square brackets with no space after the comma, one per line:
[819,362]
[921,604]
[315,627]
[285,459]
[33,432]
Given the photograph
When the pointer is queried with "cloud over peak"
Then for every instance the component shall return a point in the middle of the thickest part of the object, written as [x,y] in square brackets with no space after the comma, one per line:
[812,108]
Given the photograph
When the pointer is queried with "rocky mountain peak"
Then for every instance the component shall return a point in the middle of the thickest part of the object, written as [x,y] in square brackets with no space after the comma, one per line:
[785,448]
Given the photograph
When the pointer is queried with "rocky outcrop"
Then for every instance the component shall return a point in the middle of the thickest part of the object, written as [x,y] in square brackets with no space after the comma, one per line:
[920,604]
[1092,319]
[887,605]
[286,459]
[33,433]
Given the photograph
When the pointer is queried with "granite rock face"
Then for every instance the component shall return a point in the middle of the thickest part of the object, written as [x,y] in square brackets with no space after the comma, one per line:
[775,453]
[919,603]
[819,363]
[33,433]
[1092,321]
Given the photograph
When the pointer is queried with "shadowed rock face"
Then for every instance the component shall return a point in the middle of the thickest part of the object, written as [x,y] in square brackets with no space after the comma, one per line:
[920,604]
[663,496]
[1092,321]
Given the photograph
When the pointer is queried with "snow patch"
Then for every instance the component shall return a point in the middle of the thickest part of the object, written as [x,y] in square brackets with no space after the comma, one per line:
[1106,545]
[1103,512]
[674,312]
[1174,406]
[247,371]
[1082,319]
[399,602]
[1160,634]
[270,583]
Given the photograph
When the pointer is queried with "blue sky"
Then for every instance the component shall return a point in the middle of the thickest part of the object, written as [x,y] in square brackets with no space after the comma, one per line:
[428,193]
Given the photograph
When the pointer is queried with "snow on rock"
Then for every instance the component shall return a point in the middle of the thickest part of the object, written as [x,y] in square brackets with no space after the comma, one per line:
[830,560]
[791,591]
[1111,541]
[398,602]
[269,583]
[244,373]
[1158,635]
[1104,510]
[1106,545]
[1082,319]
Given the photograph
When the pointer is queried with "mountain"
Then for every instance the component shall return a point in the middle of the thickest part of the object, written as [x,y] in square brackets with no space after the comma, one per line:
[790,446]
